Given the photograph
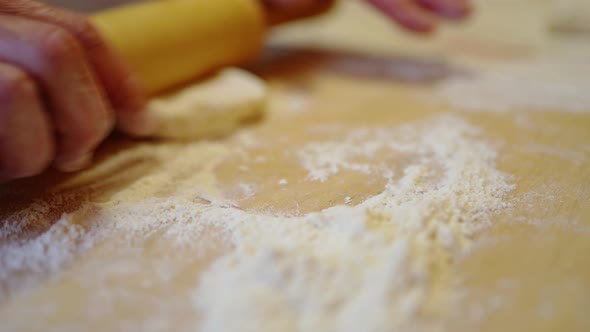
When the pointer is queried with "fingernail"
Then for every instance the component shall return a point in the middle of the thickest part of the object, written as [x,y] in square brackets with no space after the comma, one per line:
[72,164]
[137,123]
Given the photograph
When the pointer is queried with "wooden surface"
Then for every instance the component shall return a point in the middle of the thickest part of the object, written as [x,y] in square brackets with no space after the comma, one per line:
[529,271]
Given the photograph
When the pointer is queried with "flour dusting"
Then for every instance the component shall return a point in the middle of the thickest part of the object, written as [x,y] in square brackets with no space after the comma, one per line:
[368,267]
[379,265]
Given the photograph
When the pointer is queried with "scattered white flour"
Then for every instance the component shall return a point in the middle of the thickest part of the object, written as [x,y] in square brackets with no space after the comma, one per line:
[376,266]
[21,264]
[362,268]
[247,189]
[533,86]
[371,267]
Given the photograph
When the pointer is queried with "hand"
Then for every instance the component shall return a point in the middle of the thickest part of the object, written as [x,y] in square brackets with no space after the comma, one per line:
[61,90]
[422,15]
[416,15]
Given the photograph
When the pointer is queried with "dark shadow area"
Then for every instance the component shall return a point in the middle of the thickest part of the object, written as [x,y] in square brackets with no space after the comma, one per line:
[284,62]
[31,206]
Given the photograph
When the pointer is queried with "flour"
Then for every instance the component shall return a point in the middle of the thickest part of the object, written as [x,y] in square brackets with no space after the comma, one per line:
[366,267]
[375,266]
[248,189]
[536,85]
[22,263]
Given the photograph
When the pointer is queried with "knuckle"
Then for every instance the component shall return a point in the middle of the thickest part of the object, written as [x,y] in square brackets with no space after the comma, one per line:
[104,127]
[57,45]
[31,162]
[110,122]
[15,82]
[88,34]
[27,152]
[45,158]
[96,133]
[38,164]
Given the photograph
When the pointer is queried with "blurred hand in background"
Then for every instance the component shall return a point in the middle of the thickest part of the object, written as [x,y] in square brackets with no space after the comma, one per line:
[416,15]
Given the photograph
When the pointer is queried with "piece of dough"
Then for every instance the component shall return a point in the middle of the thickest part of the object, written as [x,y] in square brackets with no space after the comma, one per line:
[210,108]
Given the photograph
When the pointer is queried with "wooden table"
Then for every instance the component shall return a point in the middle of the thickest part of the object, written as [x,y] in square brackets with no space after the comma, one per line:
[528,271]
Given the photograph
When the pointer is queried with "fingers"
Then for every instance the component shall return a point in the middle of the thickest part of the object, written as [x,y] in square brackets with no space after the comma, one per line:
[452,9]
[422,15]
[407,13]
[119,84]
[80,112]
[26,138]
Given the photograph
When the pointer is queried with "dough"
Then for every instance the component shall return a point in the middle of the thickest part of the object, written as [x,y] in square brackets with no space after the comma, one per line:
[210,108]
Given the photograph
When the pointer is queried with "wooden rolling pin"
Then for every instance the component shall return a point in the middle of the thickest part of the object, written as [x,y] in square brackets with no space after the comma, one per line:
[168,42]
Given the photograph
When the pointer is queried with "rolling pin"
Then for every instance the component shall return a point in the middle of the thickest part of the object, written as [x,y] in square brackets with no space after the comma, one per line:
[169,42]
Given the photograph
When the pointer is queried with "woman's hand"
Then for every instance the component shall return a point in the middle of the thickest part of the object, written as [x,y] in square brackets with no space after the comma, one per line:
[423,15]
[416,15]
[61,90]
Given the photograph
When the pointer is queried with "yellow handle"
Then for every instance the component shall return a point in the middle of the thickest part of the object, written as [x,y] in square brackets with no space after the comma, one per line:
[169,42]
